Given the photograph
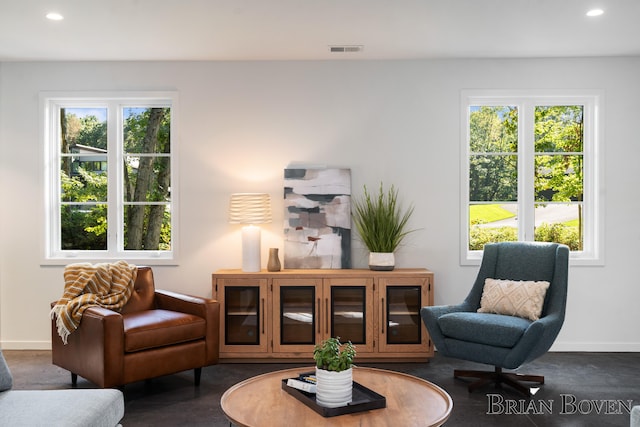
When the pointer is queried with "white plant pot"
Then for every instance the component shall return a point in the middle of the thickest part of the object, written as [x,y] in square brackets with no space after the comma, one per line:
[382,261]
[334,389]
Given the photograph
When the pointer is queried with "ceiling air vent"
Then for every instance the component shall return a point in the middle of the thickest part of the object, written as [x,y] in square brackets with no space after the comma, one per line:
[346,49]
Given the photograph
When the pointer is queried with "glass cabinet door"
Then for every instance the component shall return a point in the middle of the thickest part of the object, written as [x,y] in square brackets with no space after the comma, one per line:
[348,313]
[403,314]
[401,327]
[297,315]
[242,314]
[296,305]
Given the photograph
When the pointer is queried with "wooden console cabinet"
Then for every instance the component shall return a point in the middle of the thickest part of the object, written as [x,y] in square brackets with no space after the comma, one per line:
[271,316]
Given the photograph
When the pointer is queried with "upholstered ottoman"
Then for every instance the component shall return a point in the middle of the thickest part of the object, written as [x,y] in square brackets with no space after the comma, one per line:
[635,416]
[63,408]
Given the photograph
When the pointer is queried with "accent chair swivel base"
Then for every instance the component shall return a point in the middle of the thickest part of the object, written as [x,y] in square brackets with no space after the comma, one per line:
[498,377]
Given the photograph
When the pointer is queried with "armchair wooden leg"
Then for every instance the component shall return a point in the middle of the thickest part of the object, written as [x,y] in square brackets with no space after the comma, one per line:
[197,372]
[74,379]
[498,377]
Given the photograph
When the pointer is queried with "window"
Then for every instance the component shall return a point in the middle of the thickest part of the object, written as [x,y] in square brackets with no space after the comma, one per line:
[530,172]
[110,175]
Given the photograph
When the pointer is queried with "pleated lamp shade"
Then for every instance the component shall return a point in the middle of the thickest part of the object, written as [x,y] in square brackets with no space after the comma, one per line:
[250,209]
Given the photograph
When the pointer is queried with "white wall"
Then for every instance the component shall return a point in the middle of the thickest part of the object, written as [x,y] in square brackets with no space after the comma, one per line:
[243,122]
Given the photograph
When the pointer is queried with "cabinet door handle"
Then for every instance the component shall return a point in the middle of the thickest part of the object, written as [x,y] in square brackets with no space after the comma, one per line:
[326,313]
[318,317]
[384,316]
[263,316]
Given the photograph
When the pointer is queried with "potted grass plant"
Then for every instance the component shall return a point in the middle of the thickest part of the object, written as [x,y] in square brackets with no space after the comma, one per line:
[334,372]
[382,225]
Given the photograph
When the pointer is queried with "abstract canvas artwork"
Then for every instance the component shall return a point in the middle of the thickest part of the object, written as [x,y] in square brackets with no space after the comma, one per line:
[317,229]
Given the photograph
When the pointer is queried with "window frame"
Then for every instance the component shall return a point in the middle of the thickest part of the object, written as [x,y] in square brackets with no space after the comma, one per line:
[593,199]
[50,104]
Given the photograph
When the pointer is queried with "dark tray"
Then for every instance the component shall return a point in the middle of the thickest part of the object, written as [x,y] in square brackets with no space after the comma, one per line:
[363,399]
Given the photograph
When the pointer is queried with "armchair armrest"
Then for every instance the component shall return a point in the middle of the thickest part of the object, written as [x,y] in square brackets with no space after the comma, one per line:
[440,310]
[174,301]
[209,309]
[535,341]
[93,349]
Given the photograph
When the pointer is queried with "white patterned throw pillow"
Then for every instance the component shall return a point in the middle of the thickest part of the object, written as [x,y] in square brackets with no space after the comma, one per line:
[514,298]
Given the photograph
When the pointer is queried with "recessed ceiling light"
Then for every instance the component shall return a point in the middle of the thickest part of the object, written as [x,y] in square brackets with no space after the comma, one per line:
[55,16]
[595,12]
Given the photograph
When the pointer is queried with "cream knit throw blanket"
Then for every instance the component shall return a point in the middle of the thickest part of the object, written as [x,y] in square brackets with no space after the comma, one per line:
[87,285]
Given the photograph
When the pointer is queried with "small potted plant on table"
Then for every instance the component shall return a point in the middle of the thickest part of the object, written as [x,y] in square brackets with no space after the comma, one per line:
[382,225]
[334,373]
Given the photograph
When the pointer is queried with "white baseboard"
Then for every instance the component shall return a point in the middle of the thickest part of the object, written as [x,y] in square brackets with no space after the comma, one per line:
[25,345]
[594,347]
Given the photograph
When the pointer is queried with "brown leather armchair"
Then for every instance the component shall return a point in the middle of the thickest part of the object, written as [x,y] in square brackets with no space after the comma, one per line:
[156,333]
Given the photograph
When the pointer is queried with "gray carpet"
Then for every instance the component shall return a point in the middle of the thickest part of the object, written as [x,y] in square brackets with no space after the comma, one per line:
[582,389]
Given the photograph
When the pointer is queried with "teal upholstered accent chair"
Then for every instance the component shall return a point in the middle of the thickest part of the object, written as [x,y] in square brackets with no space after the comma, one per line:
[504,341]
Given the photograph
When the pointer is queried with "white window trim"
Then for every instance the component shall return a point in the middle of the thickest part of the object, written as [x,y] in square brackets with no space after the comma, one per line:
[49,103]
[593,253]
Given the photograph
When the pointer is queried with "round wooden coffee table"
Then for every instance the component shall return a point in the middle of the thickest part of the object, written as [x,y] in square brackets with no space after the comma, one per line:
[411,401]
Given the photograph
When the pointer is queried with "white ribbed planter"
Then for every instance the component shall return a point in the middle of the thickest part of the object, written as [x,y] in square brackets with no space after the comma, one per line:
[333,389]
[381,261]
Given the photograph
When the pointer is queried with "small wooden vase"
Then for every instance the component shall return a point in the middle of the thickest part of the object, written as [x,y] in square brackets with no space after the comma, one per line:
[274,261]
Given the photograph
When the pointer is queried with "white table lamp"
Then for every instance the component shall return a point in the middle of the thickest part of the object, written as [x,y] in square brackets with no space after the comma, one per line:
[250,209]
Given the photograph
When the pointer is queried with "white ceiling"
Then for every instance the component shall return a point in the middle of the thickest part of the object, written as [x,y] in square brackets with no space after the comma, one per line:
[304,29]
